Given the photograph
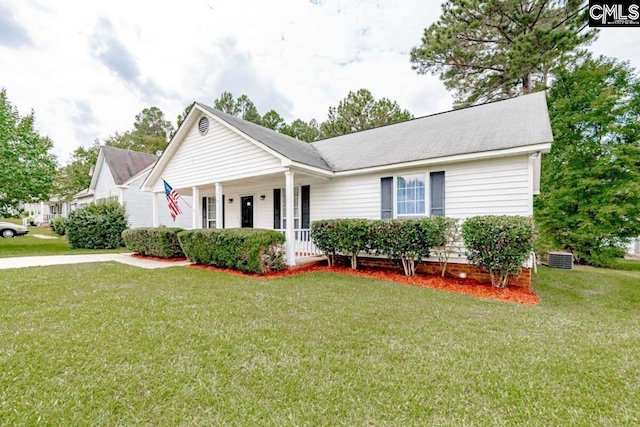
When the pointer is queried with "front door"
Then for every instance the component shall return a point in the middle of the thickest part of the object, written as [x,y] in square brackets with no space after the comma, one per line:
[246,207]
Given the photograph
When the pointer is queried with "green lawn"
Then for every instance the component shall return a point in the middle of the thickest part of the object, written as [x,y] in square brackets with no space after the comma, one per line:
[28,245]
[108,344]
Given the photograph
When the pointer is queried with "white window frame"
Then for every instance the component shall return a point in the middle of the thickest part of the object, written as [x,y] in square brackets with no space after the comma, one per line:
[211,203]
[427,190]
[297,219]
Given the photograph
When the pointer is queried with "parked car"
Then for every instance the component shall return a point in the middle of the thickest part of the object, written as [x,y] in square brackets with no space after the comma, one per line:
[8,229]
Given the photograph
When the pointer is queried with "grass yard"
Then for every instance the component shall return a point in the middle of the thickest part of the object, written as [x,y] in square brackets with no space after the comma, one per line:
[28,245]
[107,344]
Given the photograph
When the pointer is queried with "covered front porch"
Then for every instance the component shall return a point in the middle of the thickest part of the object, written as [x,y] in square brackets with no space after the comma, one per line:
[260,201]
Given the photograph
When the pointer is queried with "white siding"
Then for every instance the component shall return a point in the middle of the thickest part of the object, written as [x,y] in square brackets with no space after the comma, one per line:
[219,156]
[184,220]
[489,187]
[139,207]
[138,204]
[495,186]
[349,197]
[105,185]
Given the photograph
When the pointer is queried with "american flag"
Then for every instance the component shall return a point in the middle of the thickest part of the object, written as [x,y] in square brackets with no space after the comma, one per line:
[172,200]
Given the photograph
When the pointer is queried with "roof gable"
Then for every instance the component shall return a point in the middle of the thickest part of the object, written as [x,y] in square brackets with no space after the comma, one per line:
[125,164]
[291,148]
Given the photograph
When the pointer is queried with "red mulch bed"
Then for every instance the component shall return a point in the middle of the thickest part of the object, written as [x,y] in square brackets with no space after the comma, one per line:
[155,258]
[460,286]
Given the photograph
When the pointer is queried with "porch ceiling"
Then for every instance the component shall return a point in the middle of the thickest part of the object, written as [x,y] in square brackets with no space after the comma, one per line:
[275,179]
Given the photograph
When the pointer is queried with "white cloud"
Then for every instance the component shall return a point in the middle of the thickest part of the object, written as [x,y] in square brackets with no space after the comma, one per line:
[87,68]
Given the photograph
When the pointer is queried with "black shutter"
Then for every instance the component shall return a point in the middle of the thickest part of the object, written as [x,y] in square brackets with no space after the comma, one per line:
[437,193]
[223,211]
[276,209]
[386,197]
[205,224]
[306,190]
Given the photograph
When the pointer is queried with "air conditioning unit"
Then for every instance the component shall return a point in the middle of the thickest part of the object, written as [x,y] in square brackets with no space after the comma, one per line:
[561,260]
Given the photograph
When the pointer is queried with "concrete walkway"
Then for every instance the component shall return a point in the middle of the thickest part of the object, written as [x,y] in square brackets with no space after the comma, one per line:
[37,261]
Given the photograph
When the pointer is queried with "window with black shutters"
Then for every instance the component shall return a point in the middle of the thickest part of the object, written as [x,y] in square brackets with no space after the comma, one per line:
[437,193]
[386,197]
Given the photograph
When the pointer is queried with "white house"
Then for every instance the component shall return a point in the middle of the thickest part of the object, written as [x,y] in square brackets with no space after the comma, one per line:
[82,199]
[473,161]
[44,211]
[118,175]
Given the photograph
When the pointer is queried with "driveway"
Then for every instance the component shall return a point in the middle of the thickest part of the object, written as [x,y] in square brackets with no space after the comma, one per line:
[37,261]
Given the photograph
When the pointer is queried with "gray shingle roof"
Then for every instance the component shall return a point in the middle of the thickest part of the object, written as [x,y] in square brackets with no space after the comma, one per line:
[511,123]
[498,125]
[125,164]
[285,145]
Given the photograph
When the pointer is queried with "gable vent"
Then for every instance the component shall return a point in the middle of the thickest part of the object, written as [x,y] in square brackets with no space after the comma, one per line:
[203,126]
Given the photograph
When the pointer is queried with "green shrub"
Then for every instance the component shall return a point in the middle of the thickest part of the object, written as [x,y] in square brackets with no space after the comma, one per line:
[407,240]
[446,238]
[160,242]
[245,249]
[324,234]
[97,226]
[353,237]
[498,244]
[59,226]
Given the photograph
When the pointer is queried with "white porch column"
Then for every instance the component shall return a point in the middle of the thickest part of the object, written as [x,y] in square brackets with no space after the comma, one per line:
[289,231]
[219,202]
[154,209]
[196,218]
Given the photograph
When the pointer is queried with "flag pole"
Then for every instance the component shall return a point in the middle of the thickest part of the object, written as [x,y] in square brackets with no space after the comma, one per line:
[182,198]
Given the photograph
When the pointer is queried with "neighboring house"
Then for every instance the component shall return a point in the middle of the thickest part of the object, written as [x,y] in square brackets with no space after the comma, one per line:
[44,211]
[473,161]
[117,176]
[634,247]
[81,199]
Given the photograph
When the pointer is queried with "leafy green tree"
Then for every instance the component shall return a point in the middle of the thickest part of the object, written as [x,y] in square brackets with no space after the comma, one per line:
[27,166]
[181,117]
[272,120]
[242,107]
[360,111]
[149,133]
[227,104]
[590,201]
[248,110]
[496,49]
[74,176]
[299,129]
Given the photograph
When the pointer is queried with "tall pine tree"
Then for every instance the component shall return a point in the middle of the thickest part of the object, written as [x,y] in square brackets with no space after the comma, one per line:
[497,49]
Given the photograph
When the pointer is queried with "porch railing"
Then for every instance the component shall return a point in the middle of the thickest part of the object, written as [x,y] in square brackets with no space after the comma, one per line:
[304,246]
[50,217]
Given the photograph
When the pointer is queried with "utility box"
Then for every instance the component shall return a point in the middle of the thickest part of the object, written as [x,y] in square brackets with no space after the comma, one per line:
[561,260]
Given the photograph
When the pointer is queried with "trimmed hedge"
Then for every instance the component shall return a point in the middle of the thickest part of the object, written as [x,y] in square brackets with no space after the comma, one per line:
[59,226]
[354,237]
[246,249]
[498,244]
[407,240]
[326,238]
[97,226]
[446,238]
[160,242]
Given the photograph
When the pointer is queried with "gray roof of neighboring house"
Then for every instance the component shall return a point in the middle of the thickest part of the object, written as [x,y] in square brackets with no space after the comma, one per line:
[497,125]
[125,164]
[285,145]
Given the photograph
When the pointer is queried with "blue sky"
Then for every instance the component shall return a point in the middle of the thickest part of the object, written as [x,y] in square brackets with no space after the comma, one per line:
[87,68]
